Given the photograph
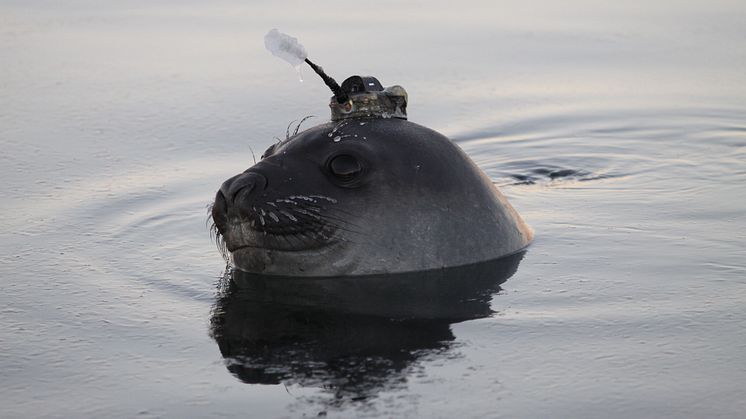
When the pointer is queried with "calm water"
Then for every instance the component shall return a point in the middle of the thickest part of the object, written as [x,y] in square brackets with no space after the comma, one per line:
[617,131]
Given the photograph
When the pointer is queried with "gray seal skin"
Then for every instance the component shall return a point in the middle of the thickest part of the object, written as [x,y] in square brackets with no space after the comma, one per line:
[364,196]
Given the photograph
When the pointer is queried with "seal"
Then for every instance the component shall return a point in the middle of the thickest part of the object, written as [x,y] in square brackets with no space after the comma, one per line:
[362,196]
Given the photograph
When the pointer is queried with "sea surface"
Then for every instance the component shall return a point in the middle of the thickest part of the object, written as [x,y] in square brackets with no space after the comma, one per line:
[617,130]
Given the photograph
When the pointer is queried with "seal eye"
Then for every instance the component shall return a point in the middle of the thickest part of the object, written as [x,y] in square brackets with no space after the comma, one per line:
[345,167]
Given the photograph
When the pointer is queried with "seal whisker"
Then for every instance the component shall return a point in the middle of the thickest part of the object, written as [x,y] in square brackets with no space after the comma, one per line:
[253,156]
[297,127]
[312,208]
[288,215]
[287,131]
[349,230]
[215,233]
[305,239]
[308,218]
[326,216]
[306,212]
[309,238]
[319,232]
[287,240]
[319,220]
[209,219]
[219,242]
[326,198]
[340,210]
[302,197]
[342,224]
[333,221]
[335,224]
[317,207]
[323,220]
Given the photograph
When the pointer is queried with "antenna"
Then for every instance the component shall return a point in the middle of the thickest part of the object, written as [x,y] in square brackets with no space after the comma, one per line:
[339,94]
[289,49]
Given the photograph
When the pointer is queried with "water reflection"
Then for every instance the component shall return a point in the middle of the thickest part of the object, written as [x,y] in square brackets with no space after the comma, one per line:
[351,337]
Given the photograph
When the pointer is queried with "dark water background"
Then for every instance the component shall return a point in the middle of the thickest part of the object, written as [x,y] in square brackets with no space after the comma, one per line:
[618,131]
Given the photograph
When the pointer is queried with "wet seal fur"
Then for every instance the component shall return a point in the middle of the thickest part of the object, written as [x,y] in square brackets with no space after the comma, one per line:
[361,197]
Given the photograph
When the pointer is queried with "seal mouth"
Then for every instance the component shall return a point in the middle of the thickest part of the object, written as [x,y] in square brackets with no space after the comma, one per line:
[252,239]
[289,224]
[254,248]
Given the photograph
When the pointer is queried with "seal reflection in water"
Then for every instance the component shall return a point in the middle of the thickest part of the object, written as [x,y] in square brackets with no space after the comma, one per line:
[351,337]
[367,193]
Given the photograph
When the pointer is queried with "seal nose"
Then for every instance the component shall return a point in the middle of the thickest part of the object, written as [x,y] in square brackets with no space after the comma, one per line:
[246,184]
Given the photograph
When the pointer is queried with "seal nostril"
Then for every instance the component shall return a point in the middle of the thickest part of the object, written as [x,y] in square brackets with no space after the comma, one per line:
[245,184]
[244,190]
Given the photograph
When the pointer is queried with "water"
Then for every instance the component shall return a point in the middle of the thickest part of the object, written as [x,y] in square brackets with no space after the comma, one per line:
[617,131]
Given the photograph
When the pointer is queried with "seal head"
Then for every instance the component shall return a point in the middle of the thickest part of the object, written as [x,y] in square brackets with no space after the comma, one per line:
[364,196]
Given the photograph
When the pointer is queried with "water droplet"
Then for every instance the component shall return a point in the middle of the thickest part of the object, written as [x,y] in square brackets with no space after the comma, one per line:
[337,138]
[298,68]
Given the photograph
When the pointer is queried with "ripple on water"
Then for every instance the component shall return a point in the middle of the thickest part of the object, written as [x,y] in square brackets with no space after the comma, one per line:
[146,228]
[586,146]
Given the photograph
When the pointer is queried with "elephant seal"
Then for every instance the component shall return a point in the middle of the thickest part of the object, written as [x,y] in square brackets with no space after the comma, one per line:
[368,193]
[364,197]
